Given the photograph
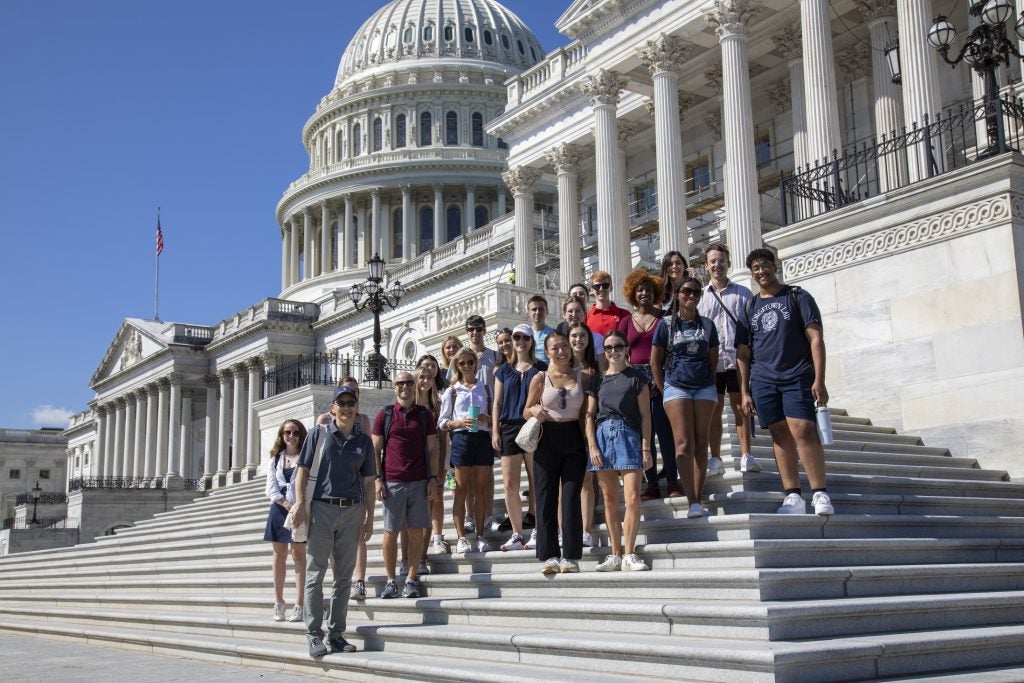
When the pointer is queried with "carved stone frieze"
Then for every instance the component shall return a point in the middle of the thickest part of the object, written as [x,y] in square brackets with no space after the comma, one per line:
[665,53]
[789,42]
[713,120]
[780,95]
[521,179]
[603,88]
[876,9]
[731,17]
[713,77]
[855,62]
[565,157]
[627,129]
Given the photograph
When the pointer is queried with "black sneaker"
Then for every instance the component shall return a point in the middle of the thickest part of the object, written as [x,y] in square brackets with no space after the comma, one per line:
[390,590]
[411,590]
[316,646]
[339,644]
[529,521]
[506,524]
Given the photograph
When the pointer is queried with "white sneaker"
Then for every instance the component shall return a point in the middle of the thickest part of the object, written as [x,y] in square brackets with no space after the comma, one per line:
[552,566]
[469,526]
[482,546]
[697,510]
[279,612]
[793,504]
[748,463]
[588,540]
[822,504]
[716,467]
[633,563]
[570,567]
[532,543]
[559,539]
[514,543]
[298,612]
[463,546]
[438,546]
[612,563]
[490,524]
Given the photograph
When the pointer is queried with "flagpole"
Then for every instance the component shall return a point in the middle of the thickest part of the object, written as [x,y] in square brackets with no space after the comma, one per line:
[156,288]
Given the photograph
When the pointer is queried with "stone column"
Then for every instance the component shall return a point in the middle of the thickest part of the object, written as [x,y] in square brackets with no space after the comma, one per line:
[521,180]
[129,437]
[363,248]
[117,461]
[408,223]
[470,208]
[100,451]
[140,434]
[286,259]
[501,201]
[309,237]
[110,440]
[566,158]
[663,58]
[626,130]
[612,236]
[239,405]
[349,231]
[325,238]
[742,201]
[252,448]
[920,78]
[152,429]
[160,466]
[819,80]
[210,424]
[185,440]
[293,252]
[790,44]
[224,427]
[174,430]
[376,241]
[440,225]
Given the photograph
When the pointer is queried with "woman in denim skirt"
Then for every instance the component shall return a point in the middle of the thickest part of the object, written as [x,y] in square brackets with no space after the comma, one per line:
[619,437]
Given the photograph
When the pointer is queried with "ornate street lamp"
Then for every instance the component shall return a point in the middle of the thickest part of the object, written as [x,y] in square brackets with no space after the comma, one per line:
[34,495]
[986,48]
[372,294]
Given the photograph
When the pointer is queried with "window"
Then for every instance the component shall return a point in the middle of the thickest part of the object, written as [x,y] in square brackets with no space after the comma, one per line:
[504,41]
[426,229]
[644,200]
[533,53]
[339,149]
[763,148]
[87,456]
[488,38]
[468,34]
[396,233]
[698,174]
[481,217]
[44,474]
[353,245]
[478,129]
[428,34]
[357,140]
[378,134]
[407,35]
[426,135]
[454,227]
[522,50]
[449,33]
[451,128]
[400,136]
[14,474]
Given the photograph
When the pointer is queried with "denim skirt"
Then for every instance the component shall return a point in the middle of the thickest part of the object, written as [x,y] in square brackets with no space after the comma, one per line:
[619,445]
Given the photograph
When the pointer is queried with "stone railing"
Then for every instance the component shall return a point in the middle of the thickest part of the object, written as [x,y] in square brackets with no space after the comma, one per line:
[268,309]
[192,335]
[32,436]
[553,70]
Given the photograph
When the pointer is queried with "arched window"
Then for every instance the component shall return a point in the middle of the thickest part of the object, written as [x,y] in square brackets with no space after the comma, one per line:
[357,140]
[488,37]
[504,41]
[400,136]
[407,35]
[533,53]
[426,133]
[478,129]
[454,223]
[426,229]
[378,134]
[481,217]
[451,128]
[449,33]
[396,233]
[339,148]
[522,50]
[353,247]
[468,33]
[428,34]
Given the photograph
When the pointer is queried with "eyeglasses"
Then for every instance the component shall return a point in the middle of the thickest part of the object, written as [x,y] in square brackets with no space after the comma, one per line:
[615,347]
[466,363]
[291,432]
[474,329]
[521,337]
[404,383]
[689,291]
[561,398]
[602,285]
[345,404]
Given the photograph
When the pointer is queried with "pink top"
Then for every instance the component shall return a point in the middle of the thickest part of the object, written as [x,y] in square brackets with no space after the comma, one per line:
[553,398]
[639,342]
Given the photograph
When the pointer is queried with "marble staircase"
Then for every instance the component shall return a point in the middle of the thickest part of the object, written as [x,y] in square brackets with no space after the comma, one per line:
[920,574]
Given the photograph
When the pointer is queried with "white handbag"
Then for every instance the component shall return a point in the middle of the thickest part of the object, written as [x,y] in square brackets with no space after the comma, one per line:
[529,435]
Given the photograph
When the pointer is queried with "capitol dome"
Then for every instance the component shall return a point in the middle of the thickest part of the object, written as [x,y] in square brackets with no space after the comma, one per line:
[457,29]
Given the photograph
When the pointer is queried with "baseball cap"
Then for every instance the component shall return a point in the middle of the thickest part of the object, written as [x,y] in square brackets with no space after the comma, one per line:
[522,328]
[342,391]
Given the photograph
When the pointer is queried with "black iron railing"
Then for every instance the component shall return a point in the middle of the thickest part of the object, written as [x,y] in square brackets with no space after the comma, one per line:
[41,523]
[870,167]
[114,483]
[326,369]
[44,498]
[200,484]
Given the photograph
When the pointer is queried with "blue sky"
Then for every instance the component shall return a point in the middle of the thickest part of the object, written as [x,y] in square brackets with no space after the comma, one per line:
[114,107]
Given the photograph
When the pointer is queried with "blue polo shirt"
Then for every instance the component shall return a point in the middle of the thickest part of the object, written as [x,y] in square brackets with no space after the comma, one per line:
[344,464]
[782,354]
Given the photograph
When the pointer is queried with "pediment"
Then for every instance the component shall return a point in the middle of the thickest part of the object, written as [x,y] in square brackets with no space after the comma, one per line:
[135,341]
[577,9]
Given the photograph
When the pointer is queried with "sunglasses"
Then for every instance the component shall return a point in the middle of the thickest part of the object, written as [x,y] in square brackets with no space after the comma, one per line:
[474,329]
[345,404]
[561,398]
[291,432]
[615,347]
[521,337]
[689,291]
[465,363]
[602,285]
[404,383]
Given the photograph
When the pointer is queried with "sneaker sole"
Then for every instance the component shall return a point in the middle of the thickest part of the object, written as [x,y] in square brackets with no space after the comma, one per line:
[550,570]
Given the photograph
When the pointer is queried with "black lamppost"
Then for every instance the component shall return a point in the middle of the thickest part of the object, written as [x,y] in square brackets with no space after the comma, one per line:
[34,494]
[985,49]
[373,295]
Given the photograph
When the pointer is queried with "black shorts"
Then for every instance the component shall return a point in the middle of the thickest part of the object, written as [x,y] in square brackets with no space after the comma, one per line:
[728,381]
[471,449]
[509,432]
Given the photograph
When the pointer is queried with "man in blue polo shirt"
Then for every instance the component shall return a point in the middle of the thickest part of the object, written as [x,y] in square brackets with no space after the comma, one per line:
[780,354]
[340,510]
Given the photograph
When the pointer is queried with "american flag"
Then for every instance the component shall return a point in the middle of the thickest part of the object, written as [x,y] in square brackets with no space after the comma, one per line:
[159,238]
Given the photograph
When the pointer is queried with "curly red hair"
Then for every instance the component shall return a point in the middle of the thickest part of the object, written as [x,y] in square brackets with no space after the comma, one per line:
[642,276]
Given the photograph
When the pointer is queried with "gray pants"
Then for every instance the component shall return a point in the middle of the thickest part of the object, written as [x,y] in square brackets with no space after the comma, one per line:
[333,532]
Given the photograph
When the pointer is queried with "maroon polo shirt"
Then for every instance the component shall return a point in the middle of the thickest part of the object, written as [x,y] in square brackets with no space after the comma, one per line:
[405,458]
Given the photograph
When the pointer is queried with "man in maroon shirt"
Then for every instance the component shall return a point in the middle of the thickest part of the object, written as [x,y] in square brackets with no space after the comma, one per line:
[408,476]
[604,315]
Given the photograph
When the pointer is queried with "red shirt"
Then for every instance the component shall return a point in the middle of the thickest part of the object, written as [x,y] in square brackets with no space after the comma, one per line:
[405,458]
[604,320]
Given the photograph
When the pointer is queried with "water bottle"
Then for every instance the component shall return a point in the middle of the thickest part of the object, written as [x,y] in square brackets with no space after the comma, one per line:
[824,425]
[474,414]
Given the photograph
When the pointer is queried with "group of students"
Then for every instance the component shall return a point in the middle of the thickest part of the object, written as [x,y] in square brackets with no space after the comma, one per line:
[604,385]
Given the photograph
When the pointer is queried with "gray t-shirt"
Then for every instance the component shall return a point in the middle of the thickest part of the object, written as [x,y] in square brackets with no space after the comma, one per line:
[617,396]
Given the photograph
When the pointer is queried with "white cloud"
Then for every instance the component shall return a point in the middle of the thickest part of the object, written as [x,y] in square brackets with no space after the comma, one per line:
[51,416]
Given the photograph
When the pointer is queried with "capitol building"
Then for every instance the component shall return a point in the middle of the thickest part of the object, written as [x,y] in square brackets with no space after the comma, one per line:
[483,169]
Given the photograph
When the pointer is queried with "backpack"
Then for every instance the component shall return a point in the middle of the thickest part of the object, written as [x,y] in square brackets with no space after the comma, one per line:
[423,414]
[748,309]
